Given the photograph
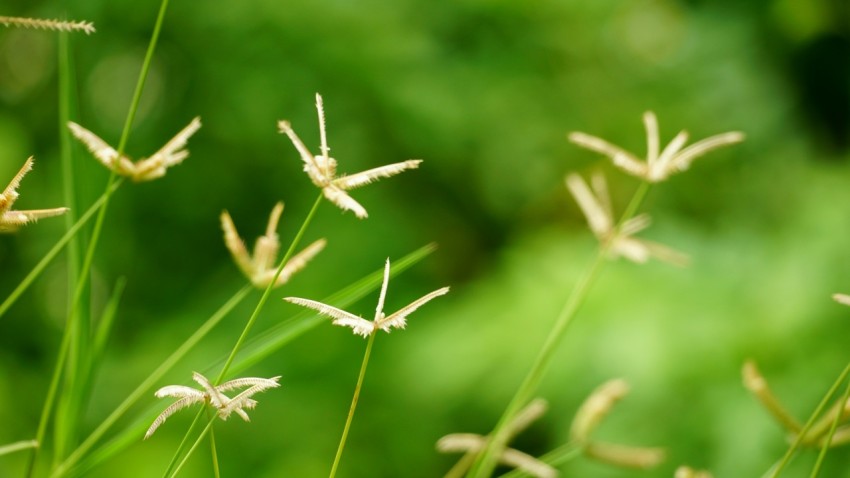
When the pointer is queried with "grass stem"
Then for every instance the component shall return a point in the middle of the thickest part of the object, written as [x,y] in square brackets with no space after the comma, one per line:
[827,442]
[154,377]
[486,462]
[267,292]
[77,325]
[353,407]
[802,435]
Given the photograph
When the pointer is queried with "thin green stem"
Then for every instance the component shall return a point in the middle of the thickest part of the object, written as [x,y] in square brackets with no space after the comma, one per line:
[54,251]
[194,447]
[77,324]
[827,442]
[268,291]
[154,377]
[353,407]
[74,254]
[802,435]
[183,443]
[254,315]
[486,462]
[66,156]
[462,465]
[557,457]
[213,451]
[48,404]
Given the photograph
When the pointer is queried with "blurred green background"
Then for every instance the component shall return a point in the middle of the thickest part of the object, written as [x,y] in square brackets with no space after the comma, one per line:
[484,92]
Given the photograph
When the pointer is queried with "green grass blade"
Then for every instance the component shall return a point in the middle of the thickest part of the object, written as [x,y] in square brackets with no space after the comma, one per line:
[77,323]
[777,469]
[151,380]
[104,326]
[827,442]
[254,351]
[54,251]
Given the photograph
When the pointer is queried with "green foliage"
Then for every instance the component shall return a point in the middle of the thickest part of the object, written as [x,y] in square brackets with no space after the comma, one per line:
[485,93]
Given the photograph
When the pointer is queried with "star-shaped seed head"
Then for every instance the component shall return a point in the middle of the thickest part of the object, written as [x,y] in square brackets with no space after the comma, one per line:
[214,396]
[472,445]
[588,417]
[595,202]
[322,168]
[145,169]
[361,326]
[260,267]
[658,166]
[818,433]
[11,220]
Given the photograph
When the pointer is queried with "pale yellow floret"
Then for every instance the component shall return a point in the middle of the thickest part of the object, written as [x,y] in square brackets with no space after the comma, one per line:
[11,221]
[322,168]
[145,169]
[657,166]
[364,327]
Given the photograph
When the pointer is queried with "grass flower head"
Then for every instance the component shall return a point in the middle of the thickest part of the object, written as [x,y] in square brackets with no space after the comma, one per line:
[11,220]
[46,24]
[595,202]
[261,266]
[323,173]
[591,413]
[472,444]
[364,327]
[145,169]
[658,166]
[214,396]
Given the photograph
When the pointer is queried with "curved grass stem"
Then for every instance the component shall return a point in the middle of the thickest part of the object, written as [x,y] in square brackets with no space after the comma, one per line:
[76,326]
[777,469]
[353,407]
[267,292]
[154,377]
[487,461]
[247,329]
[827,441]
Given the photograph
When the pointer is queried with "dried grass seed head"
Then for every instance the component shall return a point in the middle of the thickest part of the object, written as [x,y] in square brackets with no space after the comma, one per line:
[595,203]
[261,265]
[688,472]
[214,396]
[596,407]
[658,166]
[842,299]
[322,168]
[471,443]
[625,456]
[364,327]
[145,169]
[10,220]
[47,24]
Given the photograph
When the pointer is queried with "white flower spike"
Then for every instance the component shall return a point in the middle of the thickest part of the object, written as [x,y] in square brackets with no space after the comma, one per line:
[214,396]
[322,168]
[45,24]
[595,203]
[261,266]
[145,169]
[11,220]
[364,327]
[657,167]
